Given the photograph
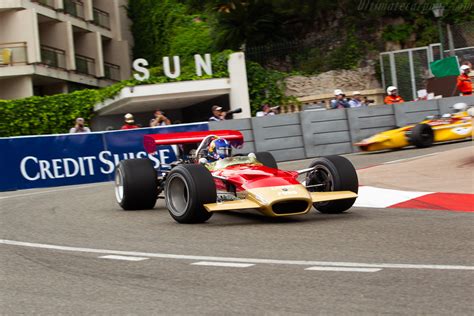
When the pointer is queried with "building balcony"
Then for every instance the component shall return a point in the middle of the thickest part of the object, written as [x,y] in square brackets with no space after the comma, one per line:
[101,18]
[112,71]
[13,53]
[74,8]
[85,65]
[46,3]
[53,57]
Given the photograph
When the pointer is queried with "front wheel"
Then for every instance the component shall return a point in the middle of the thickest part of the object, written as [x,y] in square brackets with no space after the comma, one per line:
[332,173]
[187,188]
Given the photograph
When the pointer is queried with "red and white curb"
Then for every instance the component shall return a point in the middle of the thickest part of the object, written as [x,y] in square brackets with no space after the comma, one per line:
[388,198]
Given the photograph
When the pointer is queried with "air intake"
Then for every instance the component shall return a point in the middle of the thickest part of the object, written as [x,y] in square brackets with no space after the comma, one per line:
[290,207]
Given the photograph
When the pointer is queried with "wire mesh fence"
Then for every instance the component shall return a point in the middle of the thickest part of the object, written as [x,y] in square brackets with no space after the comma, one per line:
[462,35]
[409,69]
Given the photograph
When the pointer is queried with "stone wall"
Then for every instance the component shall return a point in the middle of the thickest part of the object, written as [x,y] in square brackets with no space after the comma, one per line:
[326,83]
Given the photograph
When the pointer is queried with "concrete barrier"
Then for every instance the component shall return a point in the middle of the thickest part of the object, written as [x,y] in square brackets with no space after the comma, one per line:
[279,134]
[325,132]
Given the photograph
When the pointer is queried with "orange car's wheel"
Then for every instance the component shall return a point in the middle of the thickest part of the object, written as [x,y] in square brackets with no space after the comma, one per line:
[332,173]
[422,136]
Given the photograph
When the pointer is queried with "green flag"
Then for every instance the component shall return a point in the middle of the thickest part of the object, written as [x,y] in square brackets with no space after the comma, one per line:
[445,67]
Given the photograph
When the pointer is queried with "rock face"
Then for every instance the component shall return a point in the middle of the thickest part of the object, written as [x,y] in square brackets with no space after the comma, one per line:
[346,80]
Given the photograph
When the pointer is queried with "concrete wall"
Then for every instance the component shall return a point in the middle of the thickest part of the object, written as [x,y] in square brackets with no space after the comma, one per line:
[89,44]
[116,52]
[21,26]
[16,87]
[310,134]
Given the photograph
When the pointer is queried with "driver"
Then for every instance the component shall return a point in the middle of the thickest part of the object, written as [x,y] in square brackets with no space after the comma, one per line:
[218,148]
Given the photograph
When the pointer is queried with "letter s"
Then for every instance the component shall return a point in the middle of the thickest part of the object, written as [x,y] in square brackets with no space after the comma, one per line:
[137,66]
[107,162]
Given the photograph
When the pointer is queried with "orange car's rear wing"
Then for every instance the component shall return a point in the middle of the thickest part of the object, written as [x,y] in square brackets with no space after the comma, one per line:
[150,142]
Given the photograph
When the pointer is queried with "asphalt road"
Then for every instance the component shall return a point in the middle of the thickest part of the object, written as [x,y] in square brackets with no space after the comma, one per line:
[386,260]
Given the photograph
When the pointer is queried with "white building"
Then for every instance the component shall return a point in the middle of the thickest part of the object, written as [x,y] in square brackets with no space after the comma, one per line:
[58,46]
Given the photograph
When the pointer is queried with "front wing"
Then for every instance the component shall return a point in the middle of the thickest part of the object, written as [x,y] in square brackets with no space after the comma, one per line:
[280,200]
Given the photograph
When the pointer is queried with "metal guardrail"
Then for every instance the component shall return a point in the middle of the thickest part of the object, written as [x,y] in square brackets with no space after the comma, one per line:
[112,71]
[101,18]
[85,65]
[74,8]
[13,53]
[53,57]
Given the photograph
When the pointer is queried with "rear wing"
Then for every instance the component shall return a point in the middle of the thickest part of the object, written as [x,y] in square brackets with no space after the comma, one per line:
[150,142]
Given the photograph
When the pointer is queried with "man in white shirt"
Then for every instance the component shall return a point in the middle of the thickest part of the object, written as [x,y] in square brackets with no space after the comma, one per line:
[79,127]
[356,100]
[266,110]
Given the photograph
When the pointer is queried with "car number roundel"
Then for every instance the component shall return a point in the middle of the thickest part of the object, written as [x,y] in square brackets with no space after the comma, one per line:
[462,130]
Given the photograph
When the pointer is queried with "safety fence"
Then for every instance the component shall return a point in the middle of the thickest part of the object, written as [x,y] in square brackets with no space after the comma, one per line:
[67,159]
[309,134]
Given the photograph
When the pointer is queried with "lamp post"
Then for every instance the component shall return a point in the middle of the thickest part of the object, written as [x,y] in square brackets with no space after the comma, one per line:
[438,10]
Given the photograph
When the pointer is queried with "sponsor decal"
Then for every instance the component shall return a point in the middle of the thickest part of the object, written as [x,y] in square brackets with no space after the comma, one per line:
[462,130]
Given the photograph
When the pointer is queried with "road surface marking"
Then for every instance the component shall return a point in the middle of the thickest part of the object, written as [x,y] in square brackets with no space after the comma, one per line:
[407,159]
[55,190]
[380,198]
[223,264]
[240,260]
[341,269]
[125,258]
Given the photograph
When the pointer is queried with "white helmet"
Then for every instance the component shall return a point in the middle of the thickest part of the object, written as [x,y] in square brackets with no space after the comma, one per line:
[464,67]
[460,107]
[338,92]
[391,89]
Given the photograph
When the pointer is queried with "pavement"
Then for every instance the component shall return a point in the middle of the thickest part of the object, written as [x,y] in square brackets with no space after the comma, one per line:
[72,250]
[450,171]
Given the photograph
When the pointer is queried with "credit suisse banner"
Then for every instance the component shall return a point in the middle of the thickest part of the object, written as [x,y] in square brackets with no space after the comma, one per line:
[66,159]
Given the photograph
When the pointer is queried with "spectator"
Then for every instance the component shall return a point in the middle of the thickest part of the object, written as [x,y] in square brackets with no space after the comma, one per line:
[79,127]
[356,100]
[217,114]
[422,95]
[129,122]
[339,102]
[392,96]
[160,119]
[267,110]
[464,83]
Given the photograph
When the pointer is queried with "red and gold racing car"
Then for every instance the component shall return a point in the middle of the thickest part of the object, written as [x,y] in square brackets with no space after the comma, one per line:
[193,191]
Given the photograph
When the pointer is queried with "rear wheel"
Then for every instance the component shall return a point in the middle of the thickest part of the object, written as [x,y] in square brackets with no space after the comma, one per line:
[422,136]
[332,173]
[136,184]
[266,159]
[187,188]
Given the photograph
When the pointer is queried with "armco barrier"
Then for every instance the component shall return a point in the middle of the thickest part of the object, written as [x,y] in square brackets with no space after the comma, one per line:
[66,159]
[309,134]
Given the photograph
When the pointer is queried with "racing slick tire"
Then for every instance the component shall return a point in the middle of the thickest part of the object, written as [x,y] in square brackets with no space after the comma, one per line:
[333,173]
[136,184]
[422,136]
[266,159]
[187,188]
